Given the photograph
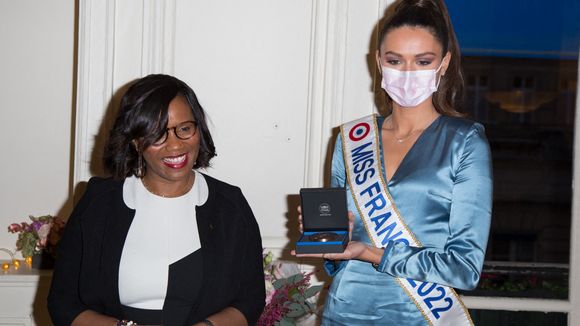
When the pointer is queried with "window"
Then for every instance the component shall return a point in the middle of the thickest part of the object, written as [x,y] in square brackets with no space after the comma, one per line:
[521,83]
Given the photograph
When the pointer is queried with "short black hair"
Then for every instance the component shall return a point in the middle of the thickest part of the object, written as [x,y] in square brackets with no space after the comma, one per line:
[143,116]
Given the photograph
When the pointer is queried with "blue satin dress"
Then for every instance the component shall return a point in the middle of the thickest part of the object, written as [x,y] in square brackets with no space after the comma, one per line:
[443,190]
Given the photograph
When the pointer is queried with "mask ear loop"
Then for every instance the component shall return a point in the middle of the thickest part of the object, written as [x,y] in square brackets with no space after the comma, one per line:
[440,75]
[438,81]
[379,65]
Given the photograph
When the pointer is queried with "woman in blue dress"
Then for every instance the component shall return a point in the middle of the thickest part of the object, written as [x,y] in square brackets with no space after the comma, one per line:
[435,168]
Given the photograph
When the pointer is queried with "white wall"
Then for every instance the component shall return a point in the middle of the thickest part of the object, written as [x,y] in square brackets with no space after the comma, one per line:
[250,71]
[36,78]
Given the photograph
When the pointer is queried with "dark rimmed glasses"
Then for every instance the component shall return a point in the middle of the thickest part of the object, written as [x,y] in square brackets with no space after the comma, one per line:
[183,131]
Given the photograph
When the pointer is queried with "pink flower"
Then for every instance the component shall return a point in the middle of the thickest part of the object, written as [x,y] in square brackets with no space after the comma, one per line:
[269,295]
[43,232]
[14,227]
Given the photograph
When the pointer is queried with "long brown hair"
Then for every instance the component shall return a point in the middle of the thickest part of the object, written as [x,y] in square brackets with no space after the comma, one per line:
[434,17]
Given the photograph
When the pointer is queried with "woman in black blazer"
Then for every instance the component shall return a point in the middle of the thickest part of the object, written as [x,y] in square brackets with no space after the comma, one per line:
[159,243]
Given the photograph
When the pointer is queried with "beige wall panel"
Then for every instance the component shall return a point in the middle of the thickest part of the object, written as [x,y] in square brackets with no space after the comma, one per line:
[36,74]
[248,62]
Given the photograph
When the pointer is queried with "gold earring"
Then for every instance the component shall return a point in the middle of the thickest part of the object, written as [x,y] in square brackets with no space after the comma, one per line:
[139,171]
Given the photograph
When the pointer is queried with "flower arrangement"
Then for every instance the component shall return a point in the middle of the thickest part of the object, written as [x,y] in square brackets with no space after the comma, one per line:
[42,234]
[288,291]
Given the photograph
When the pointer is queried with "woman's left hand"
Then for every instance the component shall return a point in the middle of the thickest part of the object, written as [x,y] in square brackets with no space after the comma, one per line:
[354,250]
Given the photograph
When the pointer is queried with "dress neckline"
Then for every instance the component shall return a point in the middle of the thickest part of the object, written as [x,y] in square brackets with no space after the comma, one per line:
[401,166]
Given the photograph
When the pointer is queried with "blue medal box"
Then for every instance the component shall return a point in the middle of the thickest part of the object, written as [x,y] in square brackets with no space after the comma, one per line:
[324,220]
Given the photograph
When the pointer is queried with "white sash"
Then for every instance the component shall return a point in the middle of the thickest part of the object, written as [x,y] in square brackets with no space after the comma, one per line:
[439,304]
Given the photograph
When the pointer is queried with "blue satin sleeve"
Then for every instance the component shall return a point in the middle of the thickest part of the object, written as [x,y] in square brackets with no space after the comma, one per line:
[458,264]
[338,172]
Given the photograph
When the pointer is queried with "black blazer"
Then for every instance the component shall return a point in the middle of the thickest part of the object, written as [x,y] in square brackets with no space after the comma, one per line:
[86,274]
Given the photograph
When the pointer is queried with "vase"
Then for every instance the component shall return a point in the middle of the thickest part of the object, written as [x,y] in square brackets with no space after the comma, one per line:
[43,260]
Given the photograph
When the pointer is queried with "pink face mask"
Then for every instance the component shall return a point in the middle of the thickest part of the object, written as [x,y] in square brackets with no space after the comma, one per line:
[410,88]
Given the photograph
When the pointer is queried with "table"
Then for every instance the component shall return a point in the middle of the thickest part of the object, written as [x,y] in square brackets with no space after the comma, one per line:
[23,293]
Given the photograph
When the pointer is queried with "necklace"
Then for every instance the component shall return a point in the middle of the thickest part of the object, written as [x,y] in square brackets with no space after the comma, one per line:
[400,140]
[165,195]
[410,134]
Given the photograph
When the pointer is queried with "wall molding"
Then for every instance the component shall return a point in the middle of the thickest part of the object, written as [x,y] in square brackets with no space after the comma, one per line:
[574,273]
[158,48]
[328,45]
[98,76]
[94,80]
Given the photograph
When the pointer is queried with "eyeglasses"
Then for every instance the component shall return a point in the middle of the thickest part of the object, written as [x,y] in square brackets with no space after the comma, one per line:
[183,131]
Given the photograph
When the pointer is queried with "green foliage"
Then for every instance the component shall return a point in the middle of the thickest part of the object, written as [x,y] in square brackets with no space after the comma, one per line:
[288,291]
[27,244]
